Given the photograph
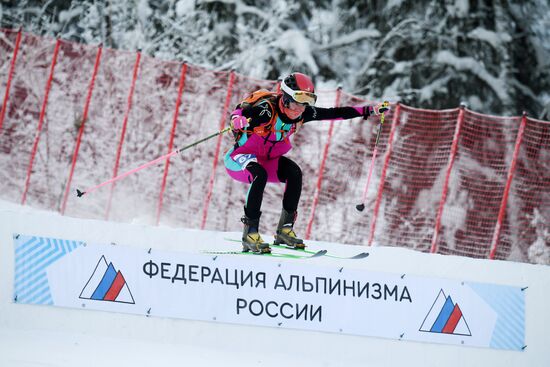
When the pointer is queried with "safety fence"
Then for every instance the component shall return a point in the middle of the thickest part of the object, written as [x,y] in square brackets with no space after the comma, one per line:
[450,182]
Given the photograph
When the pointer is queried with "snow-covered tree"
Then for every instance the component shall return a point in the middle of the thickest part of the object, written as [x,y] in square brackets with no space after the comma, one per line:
[491,54]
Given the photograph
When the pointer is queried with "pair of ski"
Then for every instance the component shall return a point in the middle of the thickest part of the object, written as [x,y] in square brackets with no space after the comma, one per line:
[299,254]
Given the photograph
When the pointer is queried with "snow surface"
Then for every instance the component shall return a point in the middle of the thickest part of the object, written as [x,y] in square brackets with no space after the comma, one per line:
[53,336]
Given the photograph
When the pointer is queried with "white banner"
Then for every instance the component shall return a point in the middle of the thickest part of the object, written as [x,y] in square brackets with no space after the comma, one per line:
[267,292]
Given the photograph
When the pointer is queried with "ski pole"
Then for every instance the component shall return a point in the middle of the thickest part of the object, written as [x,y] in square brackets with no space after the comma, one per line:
[148,164]
[361,206]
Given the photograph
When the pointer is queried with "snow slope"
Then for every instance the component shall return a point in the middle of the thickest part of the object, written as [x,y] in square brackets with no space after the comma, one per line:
[33,335]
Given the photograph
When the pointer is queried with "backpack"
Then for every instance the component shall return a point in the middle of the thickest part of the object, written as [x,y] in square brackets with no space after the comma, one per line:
[253,98]
[264,130]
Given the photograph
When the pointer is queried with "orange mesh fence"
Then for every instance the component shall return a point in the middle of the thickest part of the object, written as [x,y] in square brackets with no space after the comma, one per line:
[22,113]
[477,183]
[414,178]
[525,231]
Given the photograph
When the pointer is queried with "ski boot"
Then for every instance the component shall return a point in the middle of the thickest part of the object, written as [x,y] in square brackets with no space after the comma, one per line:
[251,240]
[285,232]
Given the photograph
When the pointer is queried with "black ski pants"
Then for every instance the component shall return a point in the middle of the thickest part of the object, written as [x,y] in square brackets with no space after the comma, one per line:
[288,172]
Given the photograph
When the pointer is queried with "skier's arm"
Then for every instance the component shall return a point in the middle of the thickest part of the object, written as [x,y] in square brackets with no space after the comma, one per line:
[343,113]
[237,121]
[251,116]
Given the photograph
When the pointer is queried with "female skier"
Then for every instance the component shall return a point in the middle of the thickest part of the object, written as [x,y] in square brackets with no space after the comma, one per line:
[262,125]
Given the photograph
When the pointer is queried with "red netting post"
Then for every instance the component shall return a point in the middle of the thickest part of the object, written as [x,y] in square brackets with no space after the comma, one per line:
[10,77]
[383,175]
[123,133]
[40,121]
[504,201]
[218,145]
[171,143]
[81,130]
[322,168]
[450,162]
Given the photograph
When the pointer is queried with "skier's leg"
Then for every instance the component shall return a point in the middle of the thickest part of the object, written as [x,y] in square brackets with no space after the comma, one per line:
[235,164]
[254,197]
[245,168]
[291,174]
[251,239]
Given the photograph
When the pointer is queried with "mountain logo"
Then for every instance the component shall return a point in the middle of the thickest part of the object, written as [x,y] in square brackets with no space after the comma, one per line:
[445,317]
[107,284]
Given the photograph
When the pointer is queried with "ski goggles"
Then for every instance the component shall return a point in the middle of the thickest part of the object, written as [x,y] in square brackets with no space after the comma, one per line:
[300,96]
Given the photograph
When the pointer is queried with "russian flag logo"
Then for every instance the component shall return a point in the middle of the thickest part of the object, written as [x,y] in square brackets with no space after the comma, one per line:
[445,317]
[107,284]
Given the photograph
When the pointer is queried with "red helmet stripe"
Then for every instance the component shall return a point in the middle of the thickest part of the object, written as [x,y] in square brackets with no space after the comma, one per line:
[304,83]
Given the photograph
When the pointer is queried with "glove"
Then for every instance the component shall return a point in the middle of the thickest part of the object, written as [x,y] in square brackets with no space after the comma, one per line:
[239,122]
[376,109]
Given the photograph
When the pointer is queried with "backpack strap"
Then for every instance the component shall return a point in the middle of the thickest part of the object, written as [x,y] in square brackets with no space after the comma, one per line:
[264,130]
